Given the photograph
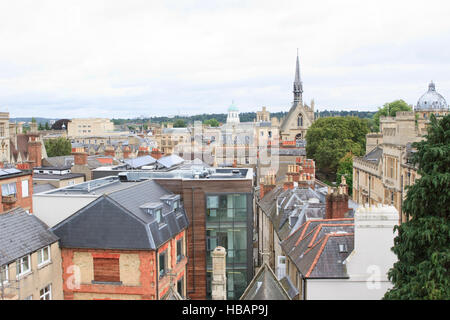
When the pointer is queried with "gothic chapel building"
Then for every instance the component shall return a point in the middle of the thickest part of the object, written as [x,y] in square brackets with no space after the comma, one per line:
[300,116]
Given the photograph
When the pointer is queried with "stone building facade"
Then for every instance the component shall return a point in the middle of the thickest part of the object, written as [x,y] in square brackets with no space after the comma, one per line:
[382,174]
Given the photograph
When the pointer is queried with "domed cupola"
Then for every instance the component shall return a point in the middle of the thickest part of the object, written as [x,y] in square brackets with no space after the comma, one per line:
[233,114]
[431,100]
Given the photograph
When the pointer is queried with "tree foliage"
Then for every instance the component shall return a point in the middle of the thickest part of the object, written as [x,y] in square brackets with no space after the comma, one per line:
[212,122]
[422,244]
[345,168]
[390,109]
[179,123]
[58,147]
[328,140]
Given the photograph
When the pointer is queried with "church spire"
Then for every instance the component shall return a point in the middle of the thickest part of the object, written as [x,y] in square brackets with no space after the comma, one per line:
[298,86]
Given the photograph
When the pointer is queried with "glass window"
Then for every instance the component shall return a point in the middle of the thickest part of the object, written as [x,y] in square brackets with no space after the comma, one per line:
[4,274]
[9,189]
[158,215]
[46,293]
[179,249]
[44,255]
[226,226]
[180,287]
[23,265]
[162,264]
[212,202]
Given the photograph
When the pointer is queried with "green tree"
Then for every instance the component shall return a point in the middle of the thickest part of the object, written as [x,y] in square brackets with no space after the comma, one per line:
[345,168]
[212,122]
[40,127]
[422,244]
[179,123]
[328,140]
[58,147]
[47,126]
[390,109]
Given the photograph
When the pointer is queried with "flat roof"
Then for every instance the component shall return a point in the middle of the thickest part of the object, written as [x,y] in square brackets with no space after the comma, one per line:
[95,187]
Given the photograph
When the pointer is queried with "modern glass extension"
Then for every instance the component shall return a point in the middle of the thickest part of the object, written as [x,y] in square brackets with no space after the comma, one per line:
[228,219]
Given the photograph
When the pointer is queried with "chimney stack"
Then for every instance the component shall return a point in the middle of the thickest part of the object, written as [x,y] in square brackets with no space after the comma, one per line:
[219,276]
[109,151]
[267,184]
[336,203]
[34,150]
[156,153]
[79,156]
[289,183]
[126,152]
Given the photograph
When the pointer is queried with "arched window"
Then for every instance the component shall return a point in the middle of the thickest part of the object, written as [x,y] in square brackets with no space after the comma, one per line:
[300,120]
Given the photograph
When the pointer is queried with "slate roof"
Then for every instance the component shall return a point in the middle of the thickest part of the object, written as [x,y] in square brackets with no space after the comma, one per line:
[22,234]
[139,162]
[62,161]
[291,202]
[290,152]
[374,155]
[117,221]
[314,247]
[170,161]
[265,286]
[42,187]
[289,287]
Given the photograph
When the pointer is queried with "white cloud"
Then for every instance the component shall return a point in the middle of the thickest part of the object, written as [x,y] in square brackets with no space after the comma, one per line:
[127,58]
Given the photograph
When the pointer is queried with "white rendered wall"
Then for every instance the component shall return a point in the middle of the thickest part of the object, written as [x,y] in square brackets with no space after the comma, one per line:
[368,264]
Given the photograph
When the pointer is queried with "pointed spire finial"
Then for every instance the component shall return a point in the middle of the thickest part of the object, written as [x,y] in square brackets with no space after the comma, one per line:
[298,87]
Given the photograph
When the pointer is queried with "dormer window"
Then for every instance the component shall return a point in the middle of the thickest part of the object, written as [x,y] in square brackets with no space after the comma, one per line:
[158,215]
[176,205]
[342,248]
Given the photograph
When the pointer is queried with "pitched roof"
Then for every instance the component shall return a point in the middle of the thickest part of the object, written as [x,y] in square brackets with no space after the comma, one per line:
[170,161]
[374,155]
[138,162]
[118,220]
[314,247]
[22,234]
[42,187]
[265,286]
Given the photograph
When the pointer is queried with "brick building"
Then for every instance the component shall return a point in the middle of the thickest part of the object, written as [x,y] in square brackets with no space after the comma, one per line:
[219,207]
[128,244]
[16,189]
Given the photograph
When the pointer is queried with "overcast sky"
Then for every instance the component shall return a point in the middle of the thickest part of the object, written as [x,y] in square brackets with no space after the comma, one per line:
[64,59]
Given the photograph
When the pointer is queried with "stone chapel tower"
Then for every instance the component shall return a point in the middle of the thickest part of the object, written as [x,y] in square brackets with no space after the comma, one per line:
[300,116]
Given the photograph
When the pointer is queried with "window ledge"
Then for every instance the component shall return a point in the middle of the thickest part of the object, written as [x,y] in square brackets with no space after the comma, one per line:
[114,283]
[23,275]
[44,264]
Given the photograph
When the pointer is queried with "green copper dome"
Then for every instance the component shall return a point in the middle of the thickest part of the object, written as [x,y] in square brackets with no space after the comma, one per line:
[232,107]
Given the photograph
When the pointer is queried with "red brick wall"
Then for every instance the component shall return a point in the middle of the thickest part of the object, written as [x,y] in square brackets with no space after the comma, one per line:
[24,202]
[147,268]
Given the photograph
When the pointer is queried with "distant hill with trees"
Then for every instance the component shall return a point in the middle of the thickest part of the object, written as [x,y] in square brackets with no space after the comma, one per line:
[244,117]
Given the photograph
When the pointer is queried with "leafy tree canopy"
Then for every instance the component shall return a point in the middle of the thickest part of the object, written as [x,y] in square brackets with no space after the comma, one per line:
[212,122]
[328,140]
[345,168]
[179,123]
[58,147]
[390,109]
[422,244]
